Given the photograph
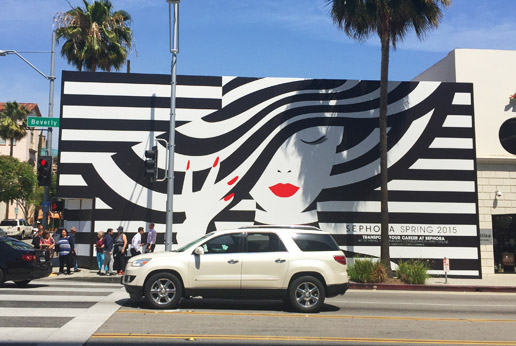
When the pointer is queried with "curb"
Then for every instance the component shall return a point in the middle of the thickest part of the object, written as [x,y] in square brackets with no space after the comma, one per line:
[105,280]
[453,288]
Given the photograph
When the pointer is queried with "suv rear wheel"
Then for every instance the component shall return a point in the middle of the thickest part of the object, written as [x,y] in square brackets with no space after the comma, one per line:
[306,294]
[163,291]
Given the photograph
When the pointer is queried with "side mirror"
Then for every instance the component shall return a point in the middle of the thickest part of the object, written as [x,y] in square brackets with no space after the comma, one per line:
[199,250]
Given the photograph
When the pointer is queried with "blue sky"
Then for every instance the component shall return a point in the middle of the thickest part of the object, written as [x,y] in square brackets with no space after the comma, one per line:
[278,38]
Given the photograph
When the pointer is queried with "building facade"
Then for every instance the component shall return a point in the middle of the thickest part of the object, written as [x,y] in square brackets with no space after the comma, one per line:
[274,151]
[492,74]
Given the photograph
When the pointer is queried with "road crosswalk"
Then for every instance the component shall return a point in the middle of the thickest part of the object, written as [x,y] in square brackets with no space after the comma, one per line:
[56,311]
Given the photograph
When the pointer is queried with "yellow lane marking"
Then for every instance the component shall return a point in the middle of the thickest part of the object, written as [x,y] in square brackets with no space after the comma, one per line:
[299,338]
[312,316]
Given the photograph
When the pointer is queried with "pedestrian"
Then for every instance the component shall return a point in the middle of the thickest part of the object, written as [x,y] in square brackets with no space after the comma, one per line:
[136,242]
[151,239]
[47,243]
[36,240]
[99,246]
[108,253]
[65,247]
[73,235]
[120,247]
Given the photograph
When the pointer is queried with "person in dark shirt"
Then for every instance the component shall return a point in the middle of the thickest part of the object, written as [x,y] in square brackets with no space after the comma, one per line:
[37,238]
[73,235]
[108,253]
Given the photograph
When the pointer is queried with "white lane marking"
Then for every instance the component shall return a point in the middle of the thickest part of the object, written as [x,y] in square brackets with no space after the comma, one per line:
[30,335]
[41,312]
[60,289]
[79,330]
[45,298]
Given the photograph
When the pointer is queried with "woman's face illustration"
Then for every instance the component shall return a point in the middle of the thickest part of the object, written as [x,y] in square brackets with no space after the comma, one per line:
[298,171]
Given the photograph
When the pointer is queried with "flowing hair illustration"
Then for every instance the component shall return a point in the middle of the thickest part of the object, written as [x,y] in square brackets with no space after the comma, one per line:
[276,144]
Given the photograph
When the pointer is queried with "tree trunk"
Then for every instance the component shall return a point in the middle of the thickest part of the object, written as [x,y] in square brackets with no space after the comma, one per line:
[12,147]
[384,80]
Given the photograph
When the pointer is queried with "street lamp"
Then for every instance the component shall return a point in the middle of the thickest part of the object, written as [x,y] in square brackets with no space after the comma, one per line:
[51,78]
[174,49]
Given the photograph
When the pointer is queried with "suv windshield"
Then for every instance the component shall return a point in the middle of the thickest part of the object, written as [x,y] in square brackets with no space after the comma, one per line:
[8,223]
[183,248]
[315,242]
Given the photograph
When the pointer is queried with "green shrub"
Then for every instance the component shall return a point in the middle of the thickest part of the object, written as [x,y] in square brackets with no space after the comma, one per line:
[366,270]
[413,271]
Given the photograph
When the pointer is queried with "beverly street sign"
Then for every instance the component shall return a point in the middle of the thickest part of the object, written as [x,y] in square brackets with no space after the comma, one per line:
[42,122]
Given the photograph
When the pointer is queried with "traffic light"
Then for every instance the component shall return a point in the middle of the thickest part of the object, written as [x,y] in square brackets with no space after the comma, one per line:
[57,205]
[151,163]
[45,171]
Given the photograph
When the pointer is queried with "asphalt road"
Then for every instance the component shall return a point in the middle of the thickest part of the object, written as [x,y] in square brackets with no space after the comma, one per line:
[357,318]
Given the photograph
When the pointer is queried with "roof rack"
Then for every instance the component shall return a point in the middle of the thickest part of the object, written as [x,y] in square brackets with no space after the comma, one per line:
[302,227]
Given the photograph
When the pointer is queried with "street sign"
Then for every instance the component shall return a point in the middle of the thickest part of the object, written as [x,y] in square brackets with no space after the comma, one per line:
[446,265]
[45,206]
[16,210]
[42,122]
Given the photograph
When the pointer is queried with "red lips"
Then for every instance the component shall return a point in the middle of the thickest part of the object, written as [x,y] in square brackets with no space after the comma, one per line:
[284,190]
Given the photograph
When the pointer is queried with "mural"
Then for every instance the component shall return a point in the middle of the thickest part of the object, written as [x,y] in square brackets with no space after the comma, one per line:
[277,151]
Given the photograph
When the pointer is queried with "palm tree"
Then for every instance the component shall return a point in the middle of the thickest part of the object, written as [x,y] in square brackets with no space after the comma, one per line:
[96,37]
[13,123]
[390,20]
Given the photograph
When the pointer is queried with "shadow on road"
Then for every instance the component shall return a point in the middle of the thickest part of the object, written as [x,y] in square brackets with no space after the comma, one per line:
[225,304]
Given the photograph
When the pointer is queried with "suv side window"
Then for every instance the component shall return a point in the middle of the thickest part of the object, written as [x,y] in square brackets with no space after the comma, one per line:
[264,242]
[315,242]
[227,243]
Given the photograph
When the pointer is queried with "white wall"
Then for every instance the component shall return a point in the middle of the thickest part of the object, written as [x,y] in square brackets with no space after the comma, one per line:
[442,71]
[493,74]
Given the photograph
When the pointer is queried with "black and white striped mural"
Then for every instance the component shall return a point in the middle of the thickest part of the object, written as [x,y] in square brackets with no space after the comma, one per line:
[276,151]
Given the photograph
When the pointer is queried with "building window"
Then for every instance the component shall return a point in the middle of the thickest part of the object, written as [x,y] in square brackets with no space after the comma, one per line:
[504,242]
[2,141]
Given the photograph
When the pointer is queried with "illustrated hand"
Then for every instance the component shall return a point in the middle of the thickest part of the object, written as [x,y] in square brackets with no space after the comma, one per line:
[202,206]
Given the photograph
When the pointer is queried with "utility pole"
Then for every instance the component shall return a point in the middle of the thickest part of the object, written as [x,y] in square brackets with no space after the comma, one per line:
[46,195]
[174,49]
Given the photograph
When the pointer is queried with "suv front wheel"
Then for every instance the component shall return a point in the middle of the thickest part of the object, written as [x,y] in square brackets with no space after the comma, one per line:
[163,291]
[306,294]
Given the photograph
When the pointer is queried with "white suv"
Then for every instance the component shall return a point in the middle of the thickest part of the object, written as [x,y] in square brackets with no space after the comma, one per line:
[300,264]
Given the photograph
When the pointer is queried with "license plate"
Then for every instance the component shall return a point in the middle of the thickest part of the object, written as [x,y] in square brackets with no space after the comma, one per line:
[42,259]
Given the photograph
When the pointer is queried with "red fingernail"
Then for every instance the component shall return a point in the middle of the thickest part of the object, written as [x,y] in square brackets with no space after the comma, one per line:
[228,197]
[232,181]
[188,165]
[216,162]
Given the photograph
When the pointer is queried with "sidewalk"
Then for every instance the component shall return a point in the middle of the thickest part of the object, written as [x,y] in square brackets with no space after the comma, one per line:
[489,283]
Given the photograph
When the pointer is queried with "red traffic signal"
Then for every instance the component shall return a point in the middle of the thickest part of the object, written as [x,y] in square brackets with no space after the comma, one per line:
[45,171]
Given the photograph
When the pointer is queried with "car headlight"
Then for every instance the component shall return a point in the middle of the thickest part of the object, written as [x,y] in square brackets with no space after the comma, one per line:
[140,262]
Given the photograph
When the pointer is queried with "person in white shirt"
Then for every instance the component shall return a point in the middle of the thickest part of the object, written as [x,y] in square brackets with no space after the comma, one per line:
[136,242]
[151,238]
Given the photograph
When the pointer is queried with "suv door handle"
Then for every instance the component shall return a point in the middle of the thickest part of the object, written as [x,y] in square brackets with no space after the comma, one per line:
[232,261]
[279,260]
